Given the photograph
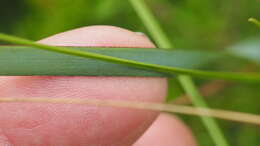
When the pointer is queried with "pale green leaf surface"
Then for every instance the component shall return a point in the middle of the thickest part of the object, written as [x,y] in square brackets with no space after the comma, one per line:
[249,49]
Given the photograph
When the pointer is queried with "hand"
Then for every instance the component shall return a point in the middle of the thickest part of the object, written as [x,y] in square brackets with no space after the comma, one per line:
[43,124]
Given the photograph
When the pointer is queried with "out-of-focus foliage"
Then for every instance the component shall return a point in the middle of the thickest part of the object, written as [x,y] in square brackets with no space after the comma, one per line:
[191,24]
[249,49]
[204,24]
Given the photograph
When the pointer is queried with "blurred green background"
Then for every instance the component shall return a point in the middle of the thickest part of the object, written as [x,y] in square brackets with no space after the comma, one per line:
[191,24]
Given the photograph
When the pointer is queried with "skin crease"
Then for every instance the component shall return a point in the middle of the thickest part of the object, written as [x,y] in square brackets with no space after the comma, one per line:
[31,124]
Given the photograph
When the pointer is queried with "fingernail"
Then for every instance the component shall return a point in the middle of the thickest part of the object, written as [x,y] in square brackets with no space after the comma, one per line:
[141,33]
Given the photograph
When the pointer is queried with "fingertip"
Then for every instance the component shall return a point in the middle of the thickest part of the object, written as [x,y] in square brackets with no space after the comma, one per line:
[167,130]
[86,125]
[99,36]
[111,36]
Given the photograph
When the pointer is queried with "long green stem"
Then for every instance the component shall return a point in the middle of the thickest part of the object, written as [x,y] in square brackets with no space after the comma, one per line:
[198,101]
[151,25]
[186,81]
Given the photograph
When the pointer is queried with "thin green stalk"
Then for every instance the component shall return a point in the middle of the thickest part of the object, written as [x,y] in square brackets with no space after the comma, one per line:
[151,25]
[198,101]
[254,21]
[159,68]
[186,81]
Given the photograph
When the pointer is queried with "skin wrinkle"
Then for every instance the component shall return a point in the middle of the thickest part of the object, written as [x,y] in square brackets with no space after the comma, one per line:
[34,141]
[17,114]
[25,132]
[4,140]
[102,87]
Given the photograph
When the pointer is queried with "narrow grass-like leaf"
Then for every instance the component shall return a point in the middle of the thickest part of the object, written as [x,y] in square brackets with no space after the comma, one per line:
[185,81]
[31,61]
[244,77]
[222,114]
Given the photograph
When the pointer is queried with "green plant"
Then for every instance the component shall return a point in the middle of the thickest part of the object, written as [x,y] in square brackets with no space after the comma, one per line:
[163,42]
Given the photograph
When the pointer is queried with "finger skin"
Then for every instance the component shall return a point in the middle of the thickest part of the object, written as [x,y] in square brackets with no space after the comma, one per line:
[27,124]
[167,130]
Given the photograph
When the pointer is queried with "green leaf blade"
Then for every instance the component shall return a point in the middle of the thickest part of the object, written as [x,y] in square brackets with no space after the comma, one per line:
[244,77]
[31,61]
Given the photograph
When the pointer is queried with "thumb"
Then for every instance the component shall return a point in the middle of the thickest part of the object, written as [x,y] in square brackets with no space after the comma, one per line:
[44,124]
